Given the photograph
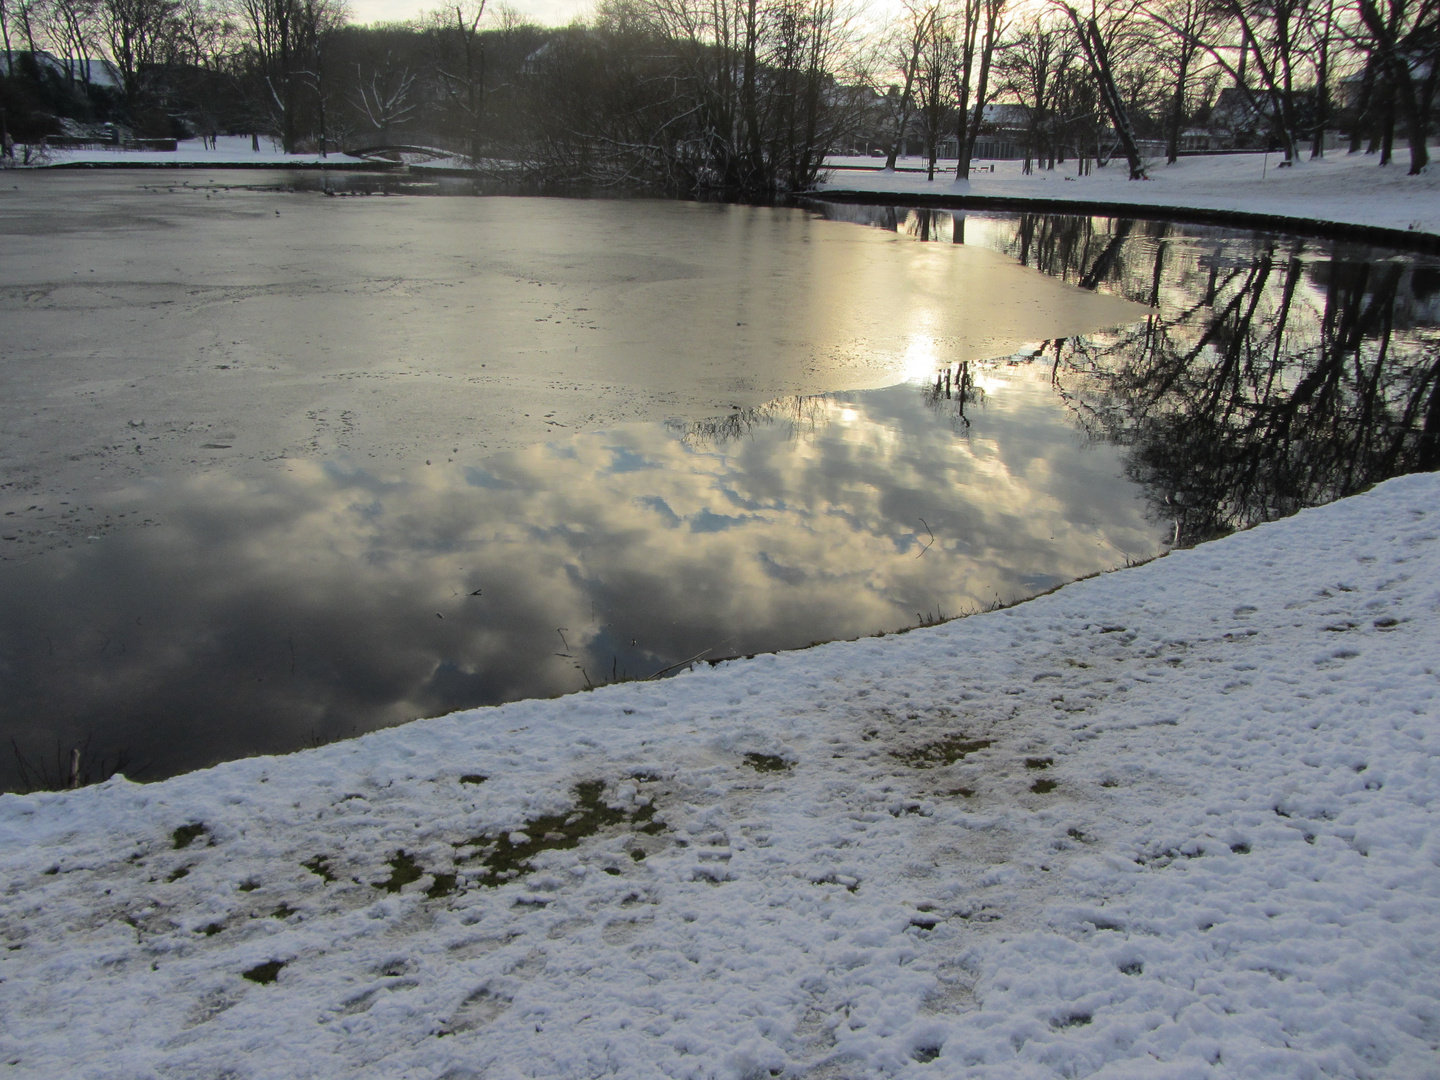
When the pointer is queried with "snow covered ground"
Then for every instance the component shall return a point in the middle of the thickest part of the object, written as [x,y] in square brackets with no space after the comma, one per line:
[1174,821]
[1345,188]
[230,150]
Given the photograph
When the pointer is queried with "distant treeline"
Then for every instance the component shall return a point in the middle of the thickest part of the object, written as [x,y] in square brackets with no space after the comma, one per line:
[738,97]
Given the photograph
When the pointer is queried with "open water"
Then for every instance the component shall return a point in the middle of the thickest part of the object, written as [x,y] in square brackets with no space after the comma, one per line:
[338,522]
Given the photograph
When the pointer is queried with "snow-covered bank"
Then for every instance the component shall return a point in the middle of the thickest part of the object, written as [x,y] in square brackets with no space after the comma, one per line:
[1345,189]
[1177,821]
[230,151]
[1341,188]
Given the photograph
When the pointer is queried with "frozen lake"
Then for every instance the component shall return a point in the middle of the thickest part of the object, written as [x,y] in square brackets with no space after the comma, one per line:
[280,468]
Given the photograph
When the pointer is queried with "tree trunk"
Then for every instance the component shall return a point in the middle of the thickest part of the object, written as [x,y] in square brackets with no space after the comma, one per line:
[1177,107]
[1362,110]
[982,86]
[1322,84]
[1093,42]
[1387,127]
[911,68]
[748,106]
[962,91]
[1402,87]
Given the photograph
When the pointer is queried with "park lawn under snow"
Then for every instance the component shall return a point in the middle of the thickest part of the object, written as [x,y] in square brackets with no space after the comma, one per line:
[1349,189]
[230,150]
[1174,821]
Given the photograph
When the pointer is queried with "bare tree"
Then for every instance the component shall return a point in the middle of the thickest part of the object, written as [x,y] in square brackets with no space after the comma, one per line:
[912,36]
[1034,65]
[69,26]
[457,28]
[1271,30]
[982,25]
[384,94]
[282,36]
[1270,43]
[5,32]
[933,86]
[1094,44]
[1185,25]
[201,33]
[670,90]
[29,15]
[1321,27]
[136,32]
[1404,41]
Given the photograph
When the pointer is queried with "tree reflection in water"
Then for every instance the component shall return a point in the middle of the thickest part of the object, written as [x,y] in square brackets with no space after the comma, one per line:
[803,415]
[330,597]
[953,392]
[1274,373]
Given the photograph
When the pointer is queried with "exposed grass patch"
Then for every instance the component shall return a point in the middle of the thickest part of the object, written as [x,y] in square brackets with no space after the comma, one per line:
[506,856]
[1039,762]
[320,866]
[186,835]
[178,873]
[768,763]
[403,870]
[1042,787]
[264,973]
[943,751]
[473,778]
[284,911]
[847,882]
[211,929]
[442,885]
[249,885]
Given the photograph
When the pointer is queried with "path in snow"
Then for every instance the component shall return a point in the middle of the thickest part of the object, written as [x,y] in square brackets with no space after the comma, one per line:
[1189,832]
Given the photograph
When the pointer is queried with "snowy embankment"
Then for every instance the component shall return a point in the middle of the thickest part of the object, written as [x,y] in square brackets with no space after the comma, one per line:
[231,151]
[1346,189]
[1175,821]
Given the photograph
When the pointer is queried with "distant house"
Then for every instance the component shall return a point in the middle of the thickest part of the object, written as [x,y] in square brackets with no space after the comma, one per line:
[1002,134]
[1198,140]
[1350,89]
[94,72]
[1007,117]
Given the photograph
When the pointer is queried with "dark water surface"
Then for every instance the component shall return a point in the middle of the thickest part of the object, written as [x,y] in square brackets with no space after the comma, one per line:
[1274,373]
[324,597]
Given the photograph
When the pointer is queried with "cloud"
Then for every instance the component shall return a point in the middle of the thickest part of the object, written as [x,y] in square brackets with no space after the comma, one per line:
[329,599]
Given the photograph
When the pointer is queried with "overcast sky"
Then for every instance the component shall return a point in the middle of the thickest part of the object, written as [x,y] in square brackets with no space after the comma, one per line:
[545,12]
[548,12]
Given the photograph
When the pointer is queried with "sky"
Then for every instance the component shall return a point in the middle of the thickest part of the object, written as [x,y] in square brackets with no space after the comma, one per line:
[545,12]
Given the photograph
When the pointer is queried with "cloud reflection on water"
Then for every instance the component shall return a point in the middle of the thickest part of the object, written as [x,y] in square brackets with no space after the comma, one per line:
[326,599]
